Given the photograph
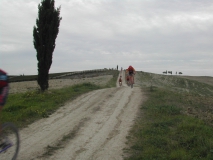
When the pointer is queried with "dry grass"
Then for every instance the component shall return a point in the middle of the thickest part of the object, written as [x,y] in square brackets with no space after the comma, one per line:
[175,122]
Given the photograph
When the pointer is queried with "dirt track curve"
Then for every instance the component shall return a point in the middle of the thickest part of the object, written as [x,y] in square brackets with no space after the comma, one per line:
[93,126]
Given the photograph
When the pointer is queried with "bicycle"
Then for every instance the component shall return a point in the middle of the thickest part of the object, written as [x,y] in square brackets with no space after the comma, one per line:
[131,81]
[120,81]
[9,142]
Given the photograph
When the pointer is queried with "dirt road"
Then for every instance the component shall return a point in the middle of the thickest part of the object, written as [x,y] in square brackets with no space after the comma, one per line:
[93,126]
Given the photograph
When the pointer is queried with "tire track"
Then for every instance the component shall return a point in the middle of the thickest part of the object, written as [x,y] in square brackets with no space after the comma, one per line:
[96,138]
[50,130]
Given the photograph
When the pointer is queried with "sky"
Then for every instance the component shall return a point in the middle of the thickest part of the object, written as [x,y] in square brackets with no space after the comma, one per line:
[151,35]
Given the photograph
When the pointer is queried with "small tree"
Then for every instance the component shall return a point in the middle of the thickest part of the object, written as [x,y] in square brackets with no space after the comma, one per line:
[45,33]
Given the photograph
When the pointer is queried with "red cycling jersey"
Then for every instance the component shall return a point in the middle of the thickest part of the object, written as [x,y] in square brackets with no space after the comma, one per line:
[131,70]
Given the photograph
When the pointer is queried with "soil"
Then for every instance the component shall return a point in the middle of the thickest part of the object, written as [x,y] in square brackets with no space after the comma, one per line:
[93,126]
[17,87]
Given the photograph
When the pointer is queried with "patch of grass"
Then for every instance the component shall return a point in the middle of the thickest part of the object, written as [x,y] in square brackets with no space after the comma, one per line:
[24,108]
[175,83]
[50,150]
[164,131]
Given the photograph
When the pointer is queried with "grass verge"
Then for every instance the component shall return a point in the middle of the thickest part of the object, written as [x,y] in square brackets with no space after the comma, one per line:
[165,130]
[112,82]
[24,108]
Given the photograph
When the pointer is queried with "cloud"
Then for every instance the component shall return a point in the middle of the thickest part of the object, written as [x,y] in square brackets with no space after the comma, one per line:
[152,35]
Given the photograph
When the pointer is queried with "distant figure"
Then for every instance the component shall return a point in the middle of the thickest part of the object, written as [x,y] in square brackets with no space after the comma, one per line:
[120,81]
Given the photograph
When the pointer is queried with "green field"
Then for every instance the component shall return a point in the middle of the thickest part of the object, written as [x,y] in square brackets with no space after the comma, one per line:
[176,121]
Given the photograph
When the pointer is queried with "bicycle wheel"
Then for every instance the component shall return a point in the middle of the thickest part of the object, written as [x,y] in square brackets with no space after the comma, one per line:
[131,81]
[10,135]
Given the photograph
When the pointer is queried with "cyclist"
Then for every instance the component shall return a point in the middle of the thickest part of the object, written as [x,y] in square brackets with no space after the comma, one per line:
[131,72]
[4,87]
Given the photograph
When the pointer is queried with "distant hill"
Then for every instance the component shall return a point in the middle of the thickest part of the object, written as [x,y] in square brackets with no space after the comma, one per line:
[203,79]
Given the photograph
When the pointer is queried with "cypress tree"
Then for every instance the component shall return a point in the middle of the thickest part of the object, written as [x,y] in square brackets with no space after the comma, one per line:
[45,33]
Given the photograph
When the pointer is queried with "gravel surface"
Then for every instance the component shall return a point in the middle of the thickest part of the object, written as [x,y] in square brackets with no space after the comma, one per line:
[94,126]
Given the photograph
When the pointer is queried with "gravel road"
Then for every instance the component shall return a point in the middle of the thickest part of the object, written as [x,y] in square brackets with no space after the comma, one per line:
[93,126]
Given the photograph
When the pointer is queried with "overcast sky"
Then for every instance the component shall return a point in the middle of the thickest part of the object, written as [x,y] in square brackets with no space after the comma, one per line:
[151,35]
